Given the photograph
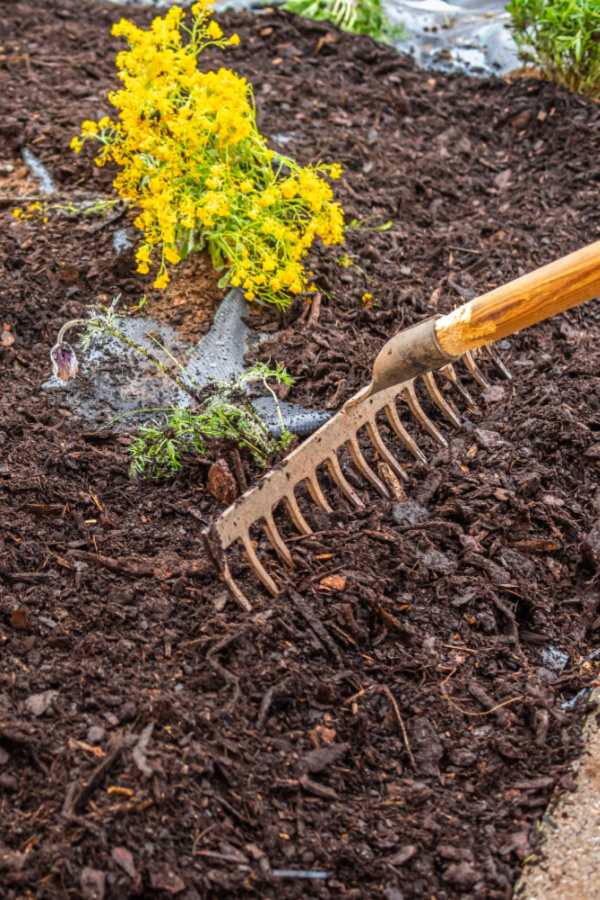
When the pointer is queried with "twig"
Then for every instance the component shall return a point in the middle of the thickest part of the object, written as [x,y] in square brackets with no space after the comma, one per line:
[154,567]
[466,712]
[200,836]
[192,392]
[8,201]
[234,812]
[448,677]
[315,309]
[224,857]
[238,468]
[464,249]
[316,625]
[267,700]
[90,826]
[304,314]
[401,724]
[94,229]
[229,677]
[29,577]
[78,794]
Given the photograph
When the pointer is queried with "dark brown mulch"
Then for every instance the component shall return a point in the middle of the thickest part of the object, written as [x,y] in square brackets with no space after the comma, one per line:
[401,735]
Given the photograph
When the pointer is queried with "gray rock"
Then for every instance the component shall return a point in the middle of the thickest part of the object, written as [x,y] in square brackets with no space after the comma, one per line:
[96,734]
[438,561]
[407,512]
[490,440]
[426,745]
[494,394]
[461,875]
[462,758]
[38,704]
[93,883]
[402,855]
[8,783]
[555,660]
[590,548]
[11,860]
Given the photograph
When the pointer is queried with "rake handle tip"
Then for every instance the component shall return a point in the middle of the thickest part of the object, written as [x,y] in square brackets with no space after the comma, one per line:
[553,289]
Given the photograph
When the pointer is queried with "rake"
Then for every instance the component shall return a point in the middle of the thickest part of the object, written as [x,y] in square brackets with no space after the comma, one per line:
[433,345]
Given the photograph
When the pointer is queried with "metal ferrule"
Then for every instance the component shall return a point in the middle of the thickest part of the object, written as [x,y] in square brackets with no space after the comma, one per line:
[410,353]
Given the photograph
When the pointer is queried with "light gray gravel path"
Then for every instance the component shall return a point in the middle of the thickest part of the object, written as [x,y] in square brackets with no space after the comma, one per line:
[570,866]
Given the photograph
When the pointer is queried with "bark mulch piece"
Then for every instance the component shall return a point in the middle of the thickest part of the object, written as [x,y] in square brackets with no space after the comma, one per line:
[396,726]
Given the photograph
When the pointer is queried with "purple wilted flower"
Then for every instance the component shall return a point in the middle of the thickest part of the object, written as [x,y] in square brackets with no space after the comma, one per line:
[64,361]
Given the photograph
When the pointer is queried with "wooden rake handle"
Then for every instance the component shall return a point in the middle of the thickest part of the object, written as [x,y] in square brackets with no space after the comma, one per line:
[547,291]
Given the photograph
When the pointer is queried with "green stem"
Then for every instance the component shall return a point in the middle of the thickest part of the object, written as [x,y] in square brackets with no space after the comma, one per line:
[277,407]
[151,358]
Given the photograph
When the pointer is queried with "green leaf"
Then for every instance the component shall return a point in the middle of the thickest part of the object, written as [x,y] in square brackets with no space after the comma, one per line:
[224,281]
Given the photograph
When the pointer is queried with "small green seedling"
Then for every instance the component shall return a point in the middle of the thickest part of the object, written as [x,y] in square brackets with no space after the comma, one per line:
[225,413]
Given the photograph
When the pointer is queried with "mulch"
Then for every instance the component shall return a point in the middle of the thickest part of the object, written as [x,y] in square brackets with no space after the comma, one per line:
[392,725]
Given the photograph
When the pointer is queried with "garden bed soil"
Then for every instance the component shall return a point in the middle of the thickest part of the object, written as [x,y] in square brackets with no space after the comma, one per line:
[400,736]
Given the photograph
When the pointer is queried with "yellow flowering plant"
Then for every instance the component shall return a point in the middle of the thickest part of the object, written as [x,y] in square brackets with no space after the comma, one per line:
[192,159]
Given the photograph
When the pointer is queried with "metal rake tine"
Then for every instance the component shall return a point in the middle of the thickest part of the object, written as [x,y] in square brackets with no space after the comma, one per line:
[410,395]
[295,514]
[440,400]
[475,371]
[394,420]
[336,473]
[277,541]
[377,441]
[450,372]
[364,468]
[312,483]
[497,362]
[424,347]
[257,567]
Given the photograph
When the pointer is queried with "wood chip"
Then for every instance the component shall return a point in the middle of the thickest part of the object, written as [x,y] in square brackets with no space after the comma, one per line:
[332,583]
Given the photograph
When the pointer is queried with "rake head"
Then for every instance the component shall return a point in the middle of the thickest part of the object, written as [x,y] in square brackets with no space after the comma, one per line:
[257,506]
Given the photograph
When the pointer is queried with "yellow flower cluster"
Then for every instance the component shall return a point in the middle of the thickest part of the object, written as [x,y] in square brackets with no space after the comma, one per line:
[193,161]
[36,207]
[368,300]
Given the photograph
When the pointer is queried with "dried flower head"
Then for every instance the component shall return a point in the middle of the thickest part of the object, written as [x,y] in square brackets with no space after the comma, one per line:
[64,361]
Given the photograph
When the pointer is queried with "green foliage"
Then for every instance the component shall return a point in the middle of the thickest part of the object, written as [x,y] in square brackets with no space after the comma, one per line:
[69,208]
[357,16]
[225,413]
[561,38]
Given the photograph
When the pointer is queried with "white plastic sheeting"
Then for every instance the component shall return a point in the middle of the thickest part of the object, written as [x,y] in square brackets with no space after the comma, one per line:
[468,35]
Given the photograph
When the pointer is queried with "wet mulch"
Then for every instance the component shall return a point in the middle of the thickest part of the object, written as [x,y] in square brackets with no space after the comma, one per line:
[396,729]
